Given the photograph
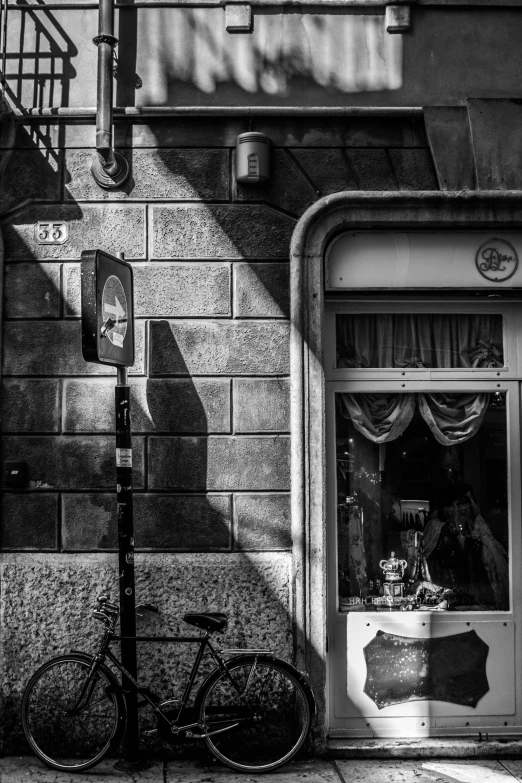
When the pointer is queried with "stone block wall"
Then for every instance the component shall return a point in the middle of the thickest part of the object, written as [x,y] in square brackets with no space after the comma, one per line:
[46,600]
[210,386]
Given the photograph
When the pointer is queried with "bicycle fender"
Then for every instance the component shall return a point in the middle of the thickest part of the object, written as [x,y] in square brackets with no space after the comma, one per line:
[245,659]
[86,656]
[302,678]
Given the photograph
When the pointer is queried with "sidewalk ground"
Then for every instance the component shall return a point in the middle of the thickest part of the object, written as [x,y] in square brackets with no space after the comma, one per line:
[27,769]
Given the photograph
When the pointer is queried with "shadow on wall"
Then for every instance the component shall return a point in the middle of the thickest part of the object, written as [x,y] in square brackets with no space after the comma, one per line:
[193,475]
[39,66]
[51,60]
[30,165]
[349,53]
[192,508]
[199,474]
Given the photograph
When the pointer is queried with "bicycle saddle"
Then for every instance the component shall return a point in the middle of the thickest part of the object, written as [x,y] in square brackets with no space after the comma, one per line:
[210,621]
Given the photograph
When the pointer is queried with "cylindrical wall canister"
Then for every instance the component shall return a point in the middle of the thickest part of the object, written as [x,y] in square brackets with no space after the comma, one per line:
[252,158]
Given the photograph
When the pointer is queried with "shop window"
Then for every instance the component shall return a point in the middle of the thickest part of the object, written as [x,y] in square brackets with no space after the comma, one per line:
[423,476]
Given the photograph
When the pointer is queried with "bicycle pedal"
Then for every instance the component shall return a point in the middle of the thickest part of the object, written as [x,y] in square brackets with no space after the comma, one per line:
[149,731]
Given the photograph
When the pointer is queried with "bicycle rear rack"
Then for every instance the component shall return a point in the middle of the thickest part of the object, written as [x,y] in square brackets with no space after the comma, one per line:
[244,651]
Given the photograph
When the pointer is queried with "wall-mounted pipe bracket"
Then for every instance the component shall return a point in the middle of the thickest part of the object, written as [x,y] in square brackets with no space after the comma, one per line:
[108,39]
[110,174]
[109,169]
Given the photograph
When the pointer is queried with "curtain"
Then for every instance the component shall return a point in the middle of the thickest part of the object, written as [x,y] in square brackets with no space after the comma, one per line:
[379,417]
[452,418]
[419,340]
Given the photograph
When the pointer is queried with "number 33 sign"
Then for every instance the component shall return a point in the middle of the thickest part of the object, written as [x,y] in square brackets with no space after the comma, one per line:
[51,233]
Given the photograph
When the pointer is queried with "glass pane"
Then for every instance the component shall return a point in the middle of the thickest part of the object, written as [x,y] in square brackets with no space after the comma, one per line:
[421,524]
[419,340]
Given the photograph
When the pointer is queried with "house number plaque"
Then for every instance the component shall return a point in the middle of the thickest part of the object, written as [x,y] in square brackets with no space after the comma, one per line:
[54,232]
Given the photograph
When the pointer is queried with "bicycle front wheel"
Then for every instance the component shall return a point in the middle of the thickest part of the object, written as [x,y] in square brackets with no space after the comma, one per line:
[72,718]
[258,715]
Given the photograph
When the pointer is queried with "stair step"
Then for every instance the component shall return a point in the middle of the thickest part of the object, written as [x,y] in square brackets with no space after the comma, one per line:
[425,747]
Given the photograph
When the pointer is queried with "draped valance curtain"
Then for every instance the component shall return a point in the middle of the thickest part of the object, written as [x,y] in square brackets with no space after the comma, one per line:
[417,340]
[452,418]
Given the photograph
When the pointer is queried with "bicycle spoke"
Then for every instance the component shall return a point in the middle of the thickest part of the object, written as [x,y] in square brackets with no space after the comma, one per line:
[62,735]
[271,710]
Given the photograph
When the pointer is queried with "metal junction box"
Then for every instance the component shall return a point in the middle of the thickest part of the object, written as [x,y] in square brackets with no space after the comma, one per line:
[252,158]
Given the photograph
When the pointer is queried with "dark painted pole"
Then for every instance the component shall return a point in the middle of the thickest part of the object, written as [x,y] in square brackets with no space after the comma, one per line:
[126,557]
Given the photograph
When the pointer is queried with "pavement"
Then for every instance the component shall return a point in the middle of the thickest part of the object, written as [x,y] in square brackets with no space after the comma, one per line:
[28,769]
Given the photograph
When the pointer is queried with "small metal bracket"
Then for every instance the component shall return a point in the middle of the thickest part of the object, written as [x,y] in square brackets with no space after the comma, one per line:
[108,39]
[238,18]
[110,178]
[397,19]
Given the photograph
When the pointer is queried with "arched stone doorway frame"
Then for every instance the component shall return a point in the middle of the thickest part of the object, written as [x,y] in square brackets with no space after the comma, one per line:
[328,217]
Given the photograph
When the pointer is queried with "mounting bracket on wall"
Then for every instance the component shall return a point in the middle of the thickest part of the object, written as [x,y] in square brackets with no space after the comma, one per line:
[238,18]
[397,19]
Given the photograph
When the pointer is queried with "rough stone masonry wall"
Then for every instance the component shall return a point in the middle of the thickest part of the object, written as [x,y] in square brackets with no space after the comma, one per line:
[210,386]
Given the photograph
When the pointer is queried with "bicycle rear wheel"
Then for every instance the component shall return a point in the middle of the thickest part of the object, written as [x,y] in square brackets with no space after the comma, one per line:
[70,719]
[262,710]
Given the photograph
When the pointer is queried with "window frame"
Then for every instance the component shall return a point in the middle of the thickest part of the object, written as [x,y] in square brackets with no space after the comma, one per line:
[512,390]
[511,313]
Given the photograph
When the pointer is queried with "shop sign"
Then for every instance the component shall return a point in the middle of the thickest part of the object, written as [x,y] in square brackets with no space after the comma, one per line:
[496,260]
[387,260]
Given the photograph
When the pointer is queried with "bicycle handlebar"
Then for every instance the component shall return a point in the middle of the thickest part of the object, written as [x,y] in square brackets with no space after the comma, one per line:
[105,604]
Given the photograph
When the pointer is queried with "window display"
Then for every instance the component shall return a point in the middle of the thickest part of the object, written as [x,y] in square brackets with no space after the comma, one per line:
[422,504]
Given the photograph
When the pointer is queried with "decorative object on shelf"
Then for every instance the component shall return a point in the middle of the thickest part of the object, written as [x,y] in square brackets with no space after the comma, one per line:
[434,597]
[393,574]
[393,568]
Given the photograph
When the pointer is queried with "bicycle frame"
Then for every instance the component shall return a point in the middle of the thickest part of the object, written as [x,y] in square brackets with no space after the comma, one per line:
[204,643]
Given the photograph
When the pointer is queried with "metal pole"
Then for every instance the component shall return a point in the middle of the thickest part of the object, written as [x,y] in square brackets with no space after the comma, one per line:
[106,44]
[109,168]
[126,562]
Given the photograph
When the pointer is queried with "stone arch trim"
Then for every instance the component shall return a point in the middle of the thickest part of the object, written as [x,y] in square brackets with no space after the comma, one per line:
[320,223]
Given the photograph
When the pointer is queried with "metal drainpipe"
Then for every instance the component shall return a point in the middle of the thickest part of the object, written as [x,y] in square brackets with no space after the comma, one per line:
[109,169]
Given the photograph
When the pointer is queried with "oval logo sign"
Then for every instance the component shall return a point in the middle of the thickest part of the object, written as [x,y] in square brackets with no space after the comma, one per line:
[496,260]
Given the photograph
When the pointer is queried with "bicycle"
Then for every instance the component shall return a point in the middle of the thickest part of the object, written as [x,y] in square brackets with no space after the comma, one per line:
[253,710]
